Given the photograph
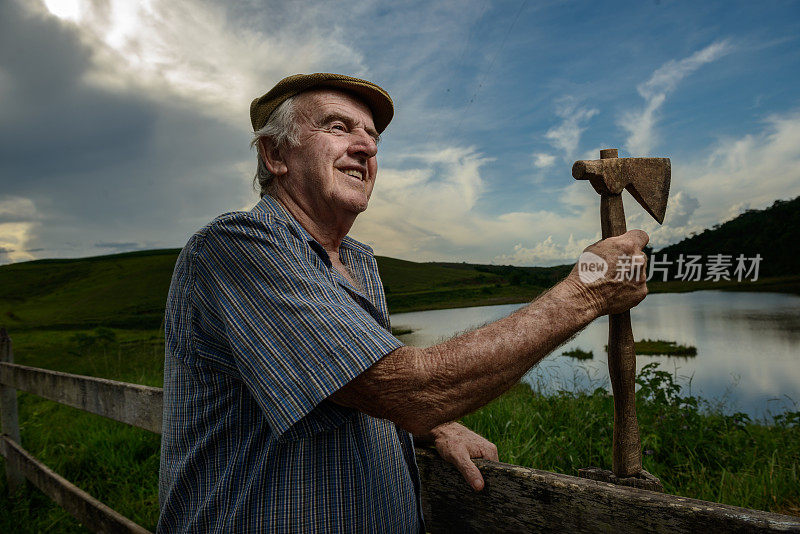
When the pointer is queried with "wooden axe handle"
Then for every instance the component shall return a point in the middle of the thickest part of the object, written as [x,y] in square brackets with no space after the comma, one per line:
[627,450]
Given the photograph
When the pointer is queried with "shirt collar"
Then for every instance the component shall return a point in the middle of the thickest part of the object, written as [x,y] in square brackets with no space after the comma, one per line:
[268,205]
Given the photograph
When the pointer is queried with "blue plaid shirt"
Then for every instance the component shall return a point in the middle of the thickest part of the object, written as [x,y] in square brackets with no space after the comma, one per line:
[260,331]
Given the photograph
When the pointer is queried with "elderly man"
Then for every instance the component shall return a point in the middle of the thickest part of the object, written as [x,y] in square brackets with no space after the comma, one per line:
[288,404]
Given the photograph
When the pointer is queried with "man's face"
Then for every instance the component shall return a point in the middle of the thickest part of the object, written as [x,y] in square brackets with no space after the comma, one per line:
[333,169]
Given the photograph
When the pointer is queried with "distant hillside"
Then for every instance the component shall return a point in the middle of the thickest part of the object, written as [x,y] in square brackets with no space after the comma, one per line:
[774,233]
[519,276]
[129,290]
[120,290]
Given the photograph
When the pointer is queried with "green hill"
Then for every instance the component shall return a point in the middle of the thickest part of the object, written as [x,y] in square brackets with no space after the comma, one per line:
[121,290]
[772,232]
[129,290]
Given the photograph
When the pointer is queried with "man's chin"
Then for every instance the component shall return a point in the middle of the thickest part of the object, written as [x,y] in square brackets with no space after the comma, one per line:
[357,205]
[359,208]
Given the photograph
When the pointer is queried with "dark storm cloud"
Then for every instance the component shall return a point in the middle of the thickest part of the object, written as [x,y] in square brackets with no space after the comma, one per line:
[11,217]
[5,254]
[103,166]
[50,119]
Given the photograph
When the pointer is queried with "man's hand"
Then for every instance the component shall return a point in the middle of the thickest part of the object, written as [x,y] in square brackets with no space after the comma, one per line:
[623,284]
[457,444]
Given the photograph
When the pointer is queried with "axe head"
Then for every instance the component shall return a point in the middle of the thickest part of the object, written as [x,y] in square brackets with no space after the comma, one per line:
[647,179]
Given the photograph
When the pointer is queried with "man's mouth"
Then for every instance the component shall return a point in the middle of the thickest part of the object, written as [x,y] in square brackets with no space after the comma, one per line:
[354,173]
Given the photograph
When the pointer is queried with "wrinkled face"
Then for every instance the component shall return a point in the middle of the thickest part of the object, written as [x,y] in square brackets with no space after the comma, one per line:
[333,169]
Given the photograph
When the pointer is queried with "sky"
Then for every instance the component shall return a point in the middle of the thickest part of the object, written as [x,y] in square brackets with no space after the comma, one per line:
[124,124]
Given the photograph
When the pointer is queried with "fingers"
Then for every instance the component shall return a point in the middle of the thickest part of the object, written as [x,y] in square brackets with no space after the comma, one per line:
[613,277]
[490,452]
[457,445]
[469,471]
[639,237]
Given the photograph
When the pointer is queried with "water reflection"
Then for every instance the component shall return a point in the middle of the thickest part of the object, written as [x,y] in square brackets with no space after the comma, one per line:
[748,346]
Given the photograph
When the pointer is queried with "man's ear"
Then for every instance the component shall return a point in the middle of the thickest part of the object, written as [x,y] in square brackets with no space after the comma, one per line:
[271,157]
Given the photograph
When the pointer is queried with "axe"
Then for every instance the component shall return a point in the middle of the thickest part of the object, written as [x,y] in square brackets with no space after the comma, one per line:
[647,179]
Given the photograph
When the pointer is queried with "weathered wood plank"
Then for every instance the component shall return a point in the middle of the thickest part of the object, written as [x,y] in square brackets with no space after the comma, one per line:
[9,416]
[94,515]
[129,403]
[518,499]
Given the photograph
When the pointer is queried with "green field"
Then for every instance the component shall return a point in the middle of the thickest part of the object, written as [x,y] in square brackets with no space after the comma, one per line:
[129,290]
[103,317]
[114,462]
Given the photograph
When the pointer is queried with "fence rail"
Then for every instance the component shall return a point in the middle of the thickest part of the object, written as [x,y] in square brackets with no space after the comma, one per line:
[94,515]
[133,404]
[515,499]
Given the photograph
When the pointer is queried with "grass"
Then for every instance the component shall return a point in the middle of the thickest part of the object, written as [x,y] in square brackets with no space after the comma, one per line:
[694,448]
[660,347]
[122,290]
[114,462]
[129,290]
[578,354]
[397,331]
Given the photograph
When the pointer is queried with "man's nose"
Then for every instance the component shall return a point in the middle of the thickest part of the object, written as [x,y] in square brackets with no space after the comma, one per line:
[362,144]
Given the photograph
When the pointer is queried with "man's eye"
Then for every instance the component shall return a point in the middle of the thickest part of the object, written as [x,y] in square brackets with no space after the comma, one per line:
[339,127]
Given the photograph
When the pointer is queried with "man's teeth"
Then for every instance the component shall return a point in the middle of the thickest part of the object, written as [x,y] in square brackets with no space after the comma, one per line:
[354,173]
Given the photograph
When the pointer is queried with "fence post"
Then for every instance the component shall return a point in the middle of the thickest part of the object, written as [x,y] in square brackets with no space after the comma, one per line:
[9,422]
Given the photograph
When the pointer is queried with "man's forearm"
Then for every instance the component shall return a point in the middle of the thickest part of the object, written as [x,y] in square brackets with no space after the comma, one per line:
[422,388]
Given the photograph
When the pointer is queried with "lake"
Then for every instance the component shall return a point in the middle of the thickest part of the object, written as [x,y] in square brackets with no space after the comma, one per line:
[748,346]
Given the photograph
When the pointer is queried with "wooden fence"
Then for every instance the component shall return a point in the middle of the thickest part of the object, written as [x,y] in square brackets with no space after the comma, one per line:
[515,499]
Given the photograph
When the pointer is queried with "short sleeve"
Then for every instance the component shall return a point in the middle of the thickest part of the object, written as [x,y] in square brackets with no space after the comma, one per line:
[295,335]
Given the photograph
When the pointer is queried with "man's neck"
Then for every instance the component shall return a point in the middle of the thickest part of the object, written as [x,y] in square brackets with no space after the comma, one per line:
[328,232]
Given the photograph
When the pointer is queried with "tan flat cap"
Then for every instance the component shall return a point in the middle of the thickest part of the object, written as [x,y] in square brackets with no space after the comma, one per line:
[378,100]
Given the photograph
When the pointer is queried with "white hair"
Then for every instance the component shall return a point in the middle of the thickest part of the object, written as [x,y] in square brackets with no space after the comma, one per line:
[279,131]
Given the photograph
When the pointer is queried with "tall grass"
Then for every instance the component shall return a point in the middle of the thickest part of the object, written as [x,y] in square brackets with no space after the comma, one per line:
[114,462]
[690,444]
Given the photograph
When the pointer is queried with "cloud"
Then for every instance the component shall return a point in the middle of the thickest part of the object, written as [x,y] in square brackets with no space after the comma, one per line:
[17,209]
[18,219]
[681,208]
[678,222]
[120,247]
[5,255]
[542,160]
[196,54]
[760,166]
[425,211]
[13,238]
[145,139]
[567,134]
[641,124]
[435,211]
[547,252]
